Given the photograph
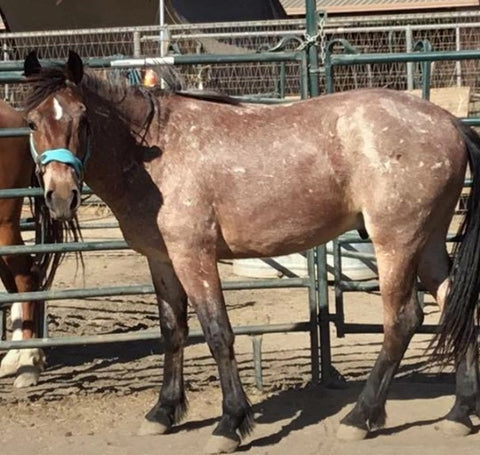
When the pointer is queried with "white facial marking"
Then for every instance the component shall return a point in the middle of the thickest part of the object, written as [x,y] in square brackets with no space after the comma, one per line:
[57,109]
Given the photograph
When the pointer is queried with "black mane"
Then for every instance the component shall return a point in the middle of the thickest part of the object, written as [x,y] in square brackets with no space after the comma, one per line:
[43,84]
[51,79]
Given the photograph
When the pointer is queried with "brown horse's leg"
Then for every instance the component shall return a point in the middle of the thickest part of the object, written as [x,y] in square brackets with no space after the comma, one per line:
[172,304]
[28,363]
[198,273]
[434,272]
[402,315]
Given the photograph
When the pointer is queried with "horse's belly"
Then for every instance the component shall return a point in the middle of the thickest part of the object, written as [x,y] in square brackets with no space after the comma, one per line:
[283,237]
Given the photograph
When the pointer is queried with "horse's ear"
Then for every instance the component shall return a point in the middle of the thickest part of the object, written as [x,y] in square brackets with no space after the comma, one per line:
[74,67]
[31,65]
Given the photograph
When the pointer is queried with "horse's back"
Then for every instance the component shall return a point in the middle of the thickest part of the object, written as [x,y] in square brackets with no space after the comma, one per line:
[306,172]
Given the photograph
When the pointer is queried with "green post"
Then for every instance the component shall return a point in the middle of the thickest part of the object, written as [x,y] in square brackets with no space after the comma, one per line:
[312,30]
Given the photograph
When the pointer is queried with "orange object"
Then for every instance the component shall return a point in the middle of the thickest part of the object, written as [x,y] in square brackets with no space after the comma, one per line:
[150,78]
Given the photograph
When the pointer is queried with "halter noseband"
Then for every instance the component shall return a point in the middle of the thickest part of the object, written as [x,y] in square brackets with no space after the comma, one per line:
[61,155]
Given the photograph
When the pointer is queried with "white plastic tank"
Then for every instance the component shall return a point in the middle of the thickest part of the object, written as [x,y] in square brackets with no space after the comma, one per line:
[276,267]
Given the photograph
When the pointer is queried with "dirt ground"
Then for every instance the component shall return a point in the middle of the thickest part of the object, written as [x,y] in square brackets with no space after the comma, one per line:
[91,399]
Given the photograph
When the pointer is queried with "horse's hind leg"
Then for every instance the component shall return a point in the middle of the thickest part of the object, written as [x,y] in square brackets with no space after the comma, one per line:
[434,273]
[197,270]
[402,315]
[172,304]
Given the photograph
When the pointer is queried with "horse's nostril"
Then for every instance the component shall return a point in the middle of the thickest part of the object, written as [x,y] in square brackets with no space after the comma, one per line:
[75,199]
[48,196]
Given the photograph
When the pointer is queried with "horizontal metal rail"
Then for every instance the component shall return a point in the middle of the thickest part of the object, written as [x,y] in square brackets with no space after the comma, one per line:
[194,336]
[378,328]
[360,59]
[27,192]
[69,247]
[16,66]
[15,132]
[7,298]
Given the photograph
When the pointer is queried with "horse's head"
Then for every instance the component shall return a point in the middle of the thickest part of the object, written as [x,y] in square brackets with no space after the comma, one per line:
[59,138]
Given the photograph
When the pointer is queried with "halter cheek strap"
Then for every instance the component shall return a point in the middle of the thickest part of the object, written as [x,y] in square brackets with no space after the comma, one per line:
[61,155]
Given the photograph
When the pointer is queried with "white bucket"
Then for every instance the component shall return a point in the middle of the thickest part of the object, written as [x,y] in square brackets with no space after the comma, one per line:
[296,264]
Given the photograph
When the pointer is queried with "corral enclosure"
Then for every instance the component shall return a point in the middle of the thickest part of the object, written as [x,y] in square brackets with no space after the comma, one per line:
[121,373]
[384,34]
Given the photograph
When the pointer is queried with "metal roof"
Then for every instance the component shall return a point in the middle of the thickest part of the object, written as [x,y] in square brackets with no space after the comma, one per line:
[297,7]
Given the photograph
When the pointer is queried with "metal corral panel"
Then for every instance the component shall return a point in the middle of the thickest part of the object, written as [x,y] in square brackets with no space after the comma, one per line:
[297,7]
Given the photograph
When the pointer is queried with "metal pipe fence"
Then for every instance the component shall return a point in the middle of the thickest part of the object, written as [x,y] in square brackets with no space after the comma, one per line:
[382,34]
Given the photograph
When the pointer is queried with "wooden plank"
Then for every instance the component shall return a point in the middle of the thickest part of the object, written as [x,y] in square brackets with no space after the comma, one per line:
[456,100]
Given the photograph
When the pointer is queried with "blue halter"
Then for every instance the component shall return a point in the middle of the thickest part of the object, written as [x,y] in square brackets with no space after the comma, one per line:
[61,155]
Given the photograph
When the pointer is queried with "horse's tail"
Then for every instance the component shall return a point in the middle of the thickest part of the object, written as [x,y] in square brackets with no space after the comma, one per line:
[459,321]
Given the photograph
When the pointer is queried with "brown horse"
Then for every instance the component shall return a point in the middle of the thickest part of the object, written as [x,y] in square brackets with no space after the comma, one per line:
[21,273]
[192,181]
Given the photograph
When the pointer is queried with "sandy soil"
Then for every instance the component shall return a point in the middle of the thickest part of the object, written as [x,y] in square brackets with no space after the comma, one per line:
[91,399]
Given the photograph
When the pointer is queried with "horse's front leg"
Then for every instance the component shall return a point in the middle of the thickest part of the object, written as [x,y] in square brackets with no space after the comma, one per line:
[197,270]
[172,303]
[17,276]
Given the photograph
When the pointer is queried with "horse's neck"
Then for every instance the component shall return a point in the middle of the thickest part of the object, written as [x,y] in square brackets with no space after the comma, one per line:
[130,102]
[115,168]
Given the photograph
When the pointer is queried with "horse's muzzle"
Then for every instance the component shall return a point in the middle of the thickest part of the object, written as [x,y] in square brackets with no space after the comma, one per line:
[61,190]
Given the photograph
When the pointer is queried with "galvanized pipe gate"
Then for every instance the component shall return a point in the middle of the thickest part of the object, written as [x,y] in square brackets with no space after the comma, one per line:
[307,57]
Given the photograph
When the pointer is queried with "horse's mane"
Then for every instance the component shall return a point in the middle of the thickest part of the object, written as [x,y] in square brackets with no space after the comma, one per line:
[51,79]
[43,84]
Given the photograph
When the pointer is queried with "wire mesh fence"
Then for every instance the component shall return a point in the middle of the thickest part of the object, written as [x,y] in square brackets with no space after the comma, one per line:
[368,35]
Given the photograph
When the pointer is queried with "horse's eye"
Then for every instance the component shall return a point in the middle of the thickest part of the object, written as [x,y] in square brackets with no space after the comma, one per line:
[32,125]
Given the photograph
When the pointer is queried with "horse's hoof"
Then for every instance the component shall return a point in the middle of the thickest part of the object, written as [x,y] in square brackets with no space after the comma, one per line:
[8,369]
[27,376]
[149,428]
[453,428]
[350,433]
[221,444]
[10,363]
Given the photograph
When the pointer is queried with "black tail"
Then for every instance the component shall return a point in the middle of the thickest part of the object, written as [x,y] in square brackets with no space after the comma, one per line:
[458,329]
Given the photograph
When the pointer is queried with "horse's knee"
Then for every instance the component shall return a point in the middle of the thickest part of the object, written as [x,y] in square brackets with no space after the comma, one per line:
[219,339]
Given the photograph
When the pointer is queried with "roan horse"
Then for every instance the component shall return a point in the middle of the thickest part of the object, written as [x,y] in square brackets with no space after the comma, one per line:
[195,180]
[22,273]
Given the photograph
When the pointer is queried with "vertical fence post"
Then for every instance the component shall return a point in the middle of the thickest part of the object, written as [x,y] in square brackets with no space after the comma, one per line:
[458,64]
[312,30]
[257,361]
[315,348]
[137,49]
[408,48]
[3,324]
[5,58]
[323,313]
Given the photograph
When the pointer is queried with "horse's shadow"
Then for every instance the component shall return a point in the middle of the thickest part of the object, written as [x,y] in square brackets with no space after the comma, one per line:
[292,409]
[300,408]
